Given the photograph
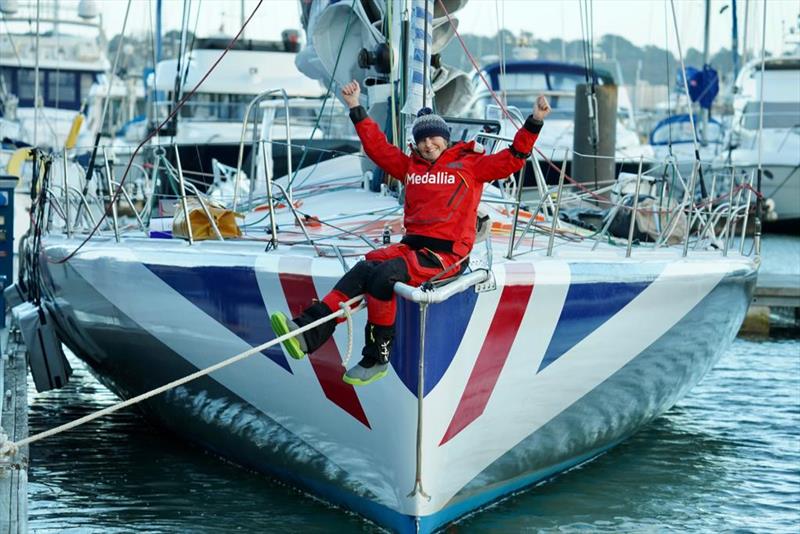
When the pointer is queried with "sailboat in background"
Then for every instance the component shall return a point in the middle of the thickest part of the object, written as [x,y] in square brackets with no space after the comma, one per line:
[555,345]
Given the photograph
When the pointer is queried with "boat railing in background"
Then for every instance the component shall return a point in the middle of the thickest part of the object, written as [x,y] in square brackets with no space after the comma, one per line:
[703,216]
[245,121]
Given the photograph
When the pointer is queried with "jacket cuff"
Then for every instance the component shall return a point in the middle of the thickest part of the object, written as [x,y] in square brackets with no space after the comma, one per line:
[534,126]
[358,114]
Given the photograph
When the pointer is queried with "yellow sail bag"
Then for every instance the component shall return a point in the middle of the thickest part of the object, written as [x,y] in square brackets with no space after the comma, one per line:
[201,225]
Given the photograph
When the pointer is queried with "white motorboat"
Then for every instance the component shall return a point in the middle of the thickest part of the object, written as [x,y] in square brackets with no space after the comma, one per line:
[775,143]
[69,55]
[209,125]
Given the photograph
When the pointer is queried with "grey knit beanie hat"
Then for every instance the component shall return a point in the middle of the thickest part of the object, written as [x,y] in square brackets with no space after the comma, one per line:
[428,124]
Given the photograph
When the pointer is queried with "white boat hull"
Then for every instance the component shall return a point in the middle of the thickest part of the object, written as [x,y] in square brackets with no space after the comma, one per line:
[562,361]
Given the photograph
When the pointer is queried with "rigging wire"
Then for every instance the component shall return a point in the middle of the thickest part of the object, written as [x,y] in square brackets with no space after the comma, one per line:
[590,22]
[36,82]
[185,73]
[328,94]
[153,132]
[476,67]
[666,65]
[583,42]
[501,46]
[595,110]
[759,202]
[112,74]
[98,133]
[425,59]
[691,115]
[155,58]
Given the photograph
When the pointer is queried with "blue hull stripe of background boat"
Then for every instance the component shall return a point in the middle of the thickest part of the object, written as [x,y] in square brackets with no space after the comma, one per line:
[590,302]
[231,296]
[445,327]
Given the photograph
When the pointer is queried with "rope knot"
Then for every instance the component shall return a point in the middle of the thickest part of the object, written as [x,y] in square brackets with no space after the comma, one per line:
[7,447]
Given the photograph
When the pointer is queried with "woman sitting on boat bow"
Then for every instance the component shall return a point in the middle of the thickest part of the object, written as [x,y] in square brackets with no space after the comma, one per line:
[444,183]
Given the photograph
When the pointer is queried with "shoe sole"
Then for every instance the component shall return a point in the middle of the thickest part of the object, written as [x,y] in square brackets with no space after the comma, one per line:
[281,328]
[358,382]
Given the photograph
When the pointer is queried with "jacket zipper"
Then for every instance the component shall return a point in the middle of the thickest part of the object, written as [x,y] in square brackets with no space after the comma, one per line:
[453,196]
[461,183]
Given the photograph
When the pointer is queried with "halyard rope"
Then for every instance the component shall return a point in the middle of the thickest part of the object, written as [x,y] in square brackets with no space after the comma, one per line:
[10,448]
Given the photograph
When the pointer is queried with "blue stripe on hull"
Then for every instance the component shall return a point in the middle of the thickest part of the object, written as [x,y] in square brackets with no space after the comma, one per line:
[445,327]
[231,296]
[591,302]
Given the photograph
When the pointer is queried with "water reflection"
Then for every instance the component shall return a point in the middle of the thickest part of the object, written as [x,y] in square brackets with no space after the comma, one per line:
[726,457]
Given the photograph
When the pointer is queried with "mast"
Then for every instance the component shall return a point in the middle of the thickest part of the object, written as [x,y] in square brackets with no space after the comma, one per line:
[241,17]
[735,41]
[418,56]
[744,33]
[158,32]
[36,82]
[706,32]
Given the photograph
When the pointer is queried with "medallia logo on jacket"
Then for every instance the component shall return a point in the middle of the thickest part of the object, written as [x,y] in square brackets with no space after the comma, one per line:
[432,178]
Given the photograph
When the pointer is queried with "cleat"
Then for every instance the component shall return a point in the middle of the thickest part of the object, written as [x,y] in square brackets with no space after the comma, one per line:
[361,376]
[282,326]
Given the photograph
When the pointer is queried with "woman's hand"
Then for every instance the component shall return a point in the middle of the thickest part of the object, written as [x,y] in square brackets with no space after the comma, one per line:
[541,108]
[350,94]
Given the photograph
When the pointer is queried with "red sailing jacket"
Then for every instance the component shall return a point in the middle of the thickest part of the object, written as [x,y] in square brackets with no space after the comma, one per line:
[442,197]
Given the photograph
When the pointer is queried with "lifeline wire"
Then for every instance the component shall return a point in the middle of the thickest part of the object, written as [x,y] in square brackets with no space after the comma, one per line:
[686,88]
[10,450]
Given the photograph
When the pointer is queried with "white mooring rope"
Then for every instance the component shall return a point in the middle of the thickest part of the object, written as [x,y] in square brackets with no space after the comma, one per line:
[9,448]
[345,307]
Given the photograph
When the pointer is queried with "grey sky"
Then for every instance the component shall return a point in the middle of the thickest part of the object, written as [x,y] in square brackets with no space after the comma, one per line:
[640,21]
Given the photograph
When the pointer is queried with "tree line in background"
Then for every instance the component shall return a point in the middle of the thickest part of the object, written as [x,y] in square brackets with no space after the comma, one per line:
[656,65]
[614,53]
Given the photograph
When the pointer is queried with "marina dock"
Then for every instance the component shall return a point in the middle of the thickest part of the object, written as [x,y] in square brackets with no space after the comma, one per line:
[14,422]
[776,302]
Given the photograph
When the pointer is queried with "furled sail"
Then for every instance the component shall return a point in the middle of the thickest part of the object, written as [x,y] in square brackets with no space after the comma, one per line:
[350,40]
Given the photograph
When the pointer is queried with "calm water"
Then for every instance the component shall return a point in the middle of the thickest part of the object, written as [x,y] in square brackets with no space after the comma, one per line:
[727,457]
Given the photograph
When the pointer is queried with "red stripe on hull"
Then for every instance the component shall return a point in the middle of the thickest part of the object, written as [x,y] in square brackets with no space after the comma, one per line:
[494,352]
[326,361]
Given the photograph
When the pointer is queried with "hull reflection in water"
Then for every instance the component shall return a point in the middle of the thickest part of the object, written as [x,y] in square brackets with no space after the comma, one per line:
[696,468]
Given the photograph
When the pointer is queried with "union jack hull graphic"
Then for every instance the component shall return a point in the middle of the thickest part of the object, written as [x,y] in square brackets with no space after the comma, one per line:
[561,361]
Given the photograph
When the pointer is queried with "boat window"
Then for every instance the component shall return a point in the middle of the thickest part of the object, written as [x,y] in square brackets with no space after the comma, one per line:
[7,78]
[527,81]
[61,87]
[114,115]
[27,86]
[681,132]
[562,107]
[776,115]
[216,107]
[565,81]
[87,80]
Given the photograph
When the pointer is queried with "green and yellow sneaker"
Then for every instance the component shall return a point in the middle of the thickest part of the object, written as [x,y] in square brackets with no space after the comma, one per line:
[361,375]
[282,325]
